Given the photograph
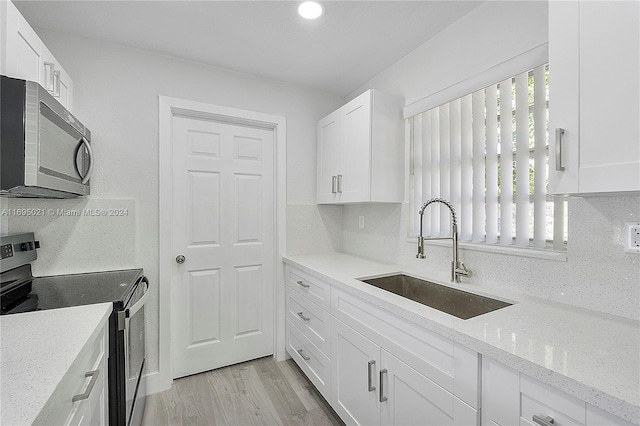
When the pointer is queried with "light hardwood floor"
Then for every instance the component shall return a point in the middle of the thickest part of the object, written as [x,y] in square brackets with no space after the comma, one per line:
[258,392]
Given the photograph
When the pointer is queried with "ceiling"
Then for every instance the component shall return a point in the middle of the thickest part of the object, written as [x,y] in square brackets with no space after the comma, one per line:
[351,43]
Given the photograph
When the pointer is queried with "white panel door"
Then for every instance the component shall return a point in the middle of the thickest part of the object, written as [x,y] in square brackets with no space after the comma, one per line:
[330,157]
[354,378]
[222,296]
[23,47]
[409,398]
[356,183]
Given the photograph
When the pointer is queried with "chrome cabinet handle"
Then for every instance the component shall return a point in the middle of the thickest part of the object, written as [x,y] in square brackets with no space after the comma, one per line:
[48,82]
[370,376]
[301,284]
[301,315]
[559,135]
[306,358]
[180,259]
[547,421]
[334,184]
[383,397]
[56,84]
[94,377]
[339,184]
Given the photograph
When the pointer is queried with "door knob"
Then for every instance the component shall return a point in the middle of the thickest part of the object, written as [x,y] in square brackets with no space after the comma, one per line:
[180,259]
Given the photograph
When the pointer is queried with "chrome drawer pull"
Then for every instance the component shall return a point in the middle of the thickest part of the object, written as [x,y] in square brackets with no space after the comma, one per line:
[547,421]
[94,376]
[334,180]
[301,315]
[383,397]
[370,376]
[301,284]
[306,358]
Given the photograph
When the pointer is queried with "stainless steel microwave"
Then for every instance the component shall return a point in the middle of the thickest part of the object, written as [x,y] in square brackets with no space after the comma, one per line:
[44,150]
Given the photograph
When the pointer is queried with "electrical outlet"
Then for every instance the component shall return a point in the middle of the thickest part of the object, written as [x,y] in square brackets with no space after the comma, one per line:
[632,244]
[361,222]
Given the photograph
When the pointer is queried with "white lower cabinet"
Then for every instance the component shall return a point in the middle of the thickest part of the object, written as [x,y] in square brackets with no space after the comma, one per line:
[512,398]
[81,397]
[376,368]
[373,367]
[373,387]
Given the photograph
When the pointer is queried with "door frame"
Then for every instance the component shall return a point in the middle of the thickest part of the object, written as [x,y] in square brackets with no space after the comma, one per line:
[168,108]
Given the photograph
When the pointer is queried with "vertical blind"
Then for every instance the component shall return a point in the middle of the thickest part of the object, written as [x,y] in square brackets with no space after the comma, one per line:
[487,152]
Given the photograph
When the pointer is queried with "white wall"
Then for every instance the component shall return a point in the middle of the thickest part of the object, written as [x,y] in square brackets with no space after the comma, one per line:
[116,95]
[597,275]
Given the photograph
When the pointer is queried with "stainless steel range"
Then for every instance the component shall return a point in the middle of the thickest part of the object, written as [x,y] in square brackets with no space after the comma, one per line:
[126,289]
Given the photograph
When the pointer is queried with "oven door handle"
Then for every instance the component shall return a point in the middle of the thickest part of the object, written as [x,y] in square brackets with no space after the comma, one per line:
[124,315]
[140,303]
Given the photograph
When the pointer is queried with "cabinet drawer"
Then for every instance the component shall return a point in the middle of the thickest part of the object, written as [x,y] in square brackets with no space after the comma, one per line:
[310,359]
[542,400]
[75,382]
[311,320]
[314,289]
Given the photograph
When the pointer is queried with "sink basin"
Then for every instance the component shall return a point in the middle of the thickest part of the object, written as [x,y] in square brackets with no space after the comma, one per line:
[446,299]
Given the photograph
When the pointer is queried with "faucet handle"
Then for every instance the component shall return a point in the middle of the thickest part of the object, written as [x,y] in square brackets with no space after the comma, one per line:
[462,270]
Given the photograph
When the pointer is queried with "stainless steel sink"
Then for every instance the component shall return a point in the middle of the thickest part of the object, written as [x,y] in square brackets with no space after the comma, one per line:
[446,299]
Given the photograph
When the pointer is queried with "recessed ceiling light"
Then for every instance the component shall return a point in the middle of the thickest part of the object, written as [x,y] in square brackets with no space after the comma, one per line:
[310,9]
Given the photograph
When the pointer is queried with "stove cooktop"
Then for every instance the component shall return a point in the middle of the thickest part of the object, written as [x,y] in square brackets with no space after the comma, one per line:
[63,291]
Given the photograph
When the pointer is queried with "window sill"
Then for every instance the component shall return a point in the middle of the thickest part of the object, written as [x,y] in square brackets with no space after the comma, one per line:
[555,255]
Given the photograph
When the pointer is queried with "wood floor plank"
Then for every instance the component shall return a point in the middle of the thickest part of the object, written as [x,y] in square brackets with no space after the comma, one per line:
[259,392]
[300,386]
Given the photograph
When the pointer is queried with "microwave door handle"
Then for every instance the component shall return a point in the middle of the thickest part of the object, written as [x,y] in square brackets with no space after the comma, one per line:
[140,303]
[86,143]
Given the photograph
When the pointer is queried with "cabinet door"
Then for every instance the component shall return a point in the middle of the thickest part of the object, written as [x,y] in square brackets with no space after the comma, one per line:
[330,157]
[355,185]
[564,95]
[594,63]
[500,394]
[609,96]
[409,398]
[355,361]
[23,49]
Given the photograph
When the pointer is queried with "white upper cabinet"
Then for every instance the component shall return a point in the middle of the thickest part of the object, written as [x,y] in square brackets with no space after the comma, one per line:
[594,61]
[25,56]
[361,151]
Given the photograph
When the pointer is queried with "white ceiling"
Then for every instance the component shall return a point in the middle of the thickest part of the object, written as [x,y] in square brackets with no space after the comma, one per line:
[351,43]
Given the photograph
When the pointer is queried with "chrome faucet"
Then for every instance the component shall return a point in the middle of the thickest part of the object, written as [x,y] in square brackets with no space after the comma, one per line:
[457,267]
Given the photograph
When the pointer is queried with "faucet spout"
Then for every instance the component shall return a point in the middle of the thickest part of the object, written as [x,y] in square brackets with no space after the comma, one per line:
[458,268]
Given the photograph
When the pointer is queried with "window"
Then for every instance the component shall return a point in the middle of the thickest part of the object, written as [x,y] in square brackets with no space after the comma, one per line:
[487,152]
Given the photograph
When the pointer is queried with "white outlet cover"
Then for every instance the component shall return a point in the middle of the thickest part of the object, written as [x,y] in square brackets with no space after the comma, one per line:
[632,237]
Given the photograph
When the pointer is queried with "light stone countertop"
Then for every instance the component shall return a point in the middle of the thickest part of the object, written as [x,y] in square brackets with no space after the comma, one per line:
[590,355]
[36,350]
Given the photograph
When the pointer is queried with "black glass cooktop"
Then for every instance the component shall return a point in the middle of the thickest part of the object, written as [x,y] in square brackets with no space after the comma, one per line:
[62,291]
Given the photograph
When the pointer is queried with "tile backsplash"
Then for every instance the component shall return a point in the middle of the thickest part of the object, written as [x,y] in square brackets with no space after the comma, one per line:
[597,274]
[76,235]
